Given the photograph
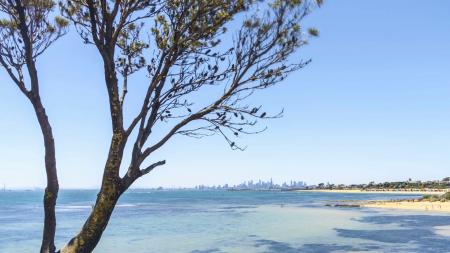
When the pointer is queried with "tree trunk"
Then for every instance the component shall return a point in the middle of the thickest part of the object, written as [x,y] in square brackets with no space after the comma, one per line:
[112,188]
[89,236]
[51,191]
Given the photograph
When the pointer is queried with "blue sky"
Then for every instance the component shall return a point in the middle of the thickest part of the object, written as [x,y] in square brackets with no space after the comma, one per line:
[374,104]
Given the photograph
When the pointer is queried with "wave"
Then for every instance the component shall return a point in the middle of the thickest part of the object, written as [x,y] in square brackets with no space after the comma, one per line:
[72,208]
[126,205]
[75,206]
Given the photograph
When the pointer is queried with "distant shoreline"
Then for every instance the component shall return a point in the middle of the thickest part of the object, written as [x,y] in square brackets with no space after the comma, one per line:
[359,191]
[401,204]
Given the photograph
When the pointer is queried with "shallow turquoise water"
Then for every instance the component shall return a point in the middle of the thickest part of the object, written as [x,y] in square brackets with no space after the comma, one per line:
[220,221]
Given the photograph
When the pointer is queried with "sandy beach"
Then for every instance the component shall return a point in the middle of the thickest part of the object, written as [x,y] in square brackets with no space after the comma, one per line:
[422,205]
[410,205]
[380,191]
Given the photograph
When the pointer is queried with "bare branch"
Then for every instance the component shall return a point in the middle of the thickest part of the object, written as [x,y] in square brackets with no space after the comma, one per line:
[151,167]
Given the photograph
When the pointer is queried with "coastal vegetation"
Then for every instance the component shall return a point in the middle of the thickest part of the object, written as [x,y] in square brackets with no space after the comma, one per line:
[409,185]
[429,202]
[435,195]
[442,198]
[178,45]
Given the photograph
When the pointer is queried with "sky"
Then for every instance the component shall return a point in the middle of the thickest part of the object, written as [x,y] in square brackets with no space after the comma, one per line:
[374,105]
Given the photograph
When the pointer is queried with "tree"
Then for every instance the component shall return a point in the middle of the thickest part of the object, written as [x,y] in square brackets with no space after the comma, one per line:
[26,31]
[182,55]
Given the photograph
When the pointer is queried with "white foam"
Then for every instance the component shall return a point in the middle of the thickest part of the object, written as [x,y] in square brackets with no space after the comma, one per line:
[75,207]
[125,205]
[442,230]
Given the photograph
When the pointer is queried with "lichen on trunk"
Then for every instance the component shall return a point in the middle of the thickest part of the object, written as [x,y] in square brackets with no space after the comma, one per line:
[89,236]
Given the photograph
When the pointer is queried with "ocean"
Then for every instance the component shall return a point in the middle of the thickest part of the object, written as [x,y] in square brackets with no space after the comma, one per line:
[146,221]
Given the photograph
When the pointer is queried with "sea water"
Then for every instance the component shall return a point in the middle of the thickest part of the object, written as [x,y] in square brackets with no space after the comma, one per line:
[146,221]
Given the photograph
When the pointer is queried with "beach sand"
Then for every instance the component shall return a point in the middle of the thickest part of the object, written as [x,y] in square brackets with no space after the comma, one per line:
[410,205]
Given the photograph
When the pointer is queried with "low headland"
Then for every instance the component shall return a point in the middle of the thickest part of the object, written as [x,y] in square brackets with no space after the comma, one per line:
[435,195]
[440,203]
[408,187]
[388,191]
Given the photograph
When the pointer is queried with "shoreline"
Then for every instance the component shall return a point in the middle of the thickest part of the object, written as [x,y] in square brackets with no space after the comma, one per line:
[425,205]
[429,206]
[377,191]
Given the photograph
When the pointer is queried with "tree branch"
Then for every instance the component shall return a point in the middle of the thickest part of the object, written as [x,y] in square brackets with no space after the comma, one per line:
[151,167]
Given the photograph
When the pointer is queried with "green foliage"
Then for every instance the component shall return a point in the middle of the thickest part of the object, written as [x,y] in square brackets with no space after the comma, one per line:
[313,32]
[412,185]
[446,196]
[28,23]
[443,198]
[8,24]
[431,198]
[61,22]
